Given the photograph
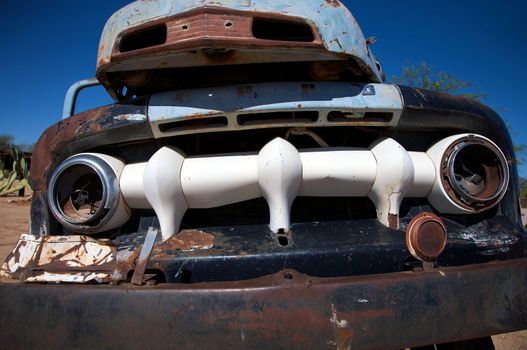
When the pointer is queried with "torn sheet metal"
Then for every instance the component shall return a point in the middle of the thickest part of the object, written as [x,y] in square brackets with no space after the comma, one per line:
[144,256]
[76,259]
[77,277]
[25,252]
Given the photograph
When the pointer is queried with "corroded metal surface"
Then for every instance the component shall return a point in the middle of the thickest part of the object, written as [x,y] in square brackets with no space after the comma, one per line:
[144,256]
[286,310]
[68,277]
[60,259]
[337,29]
[102,126]
[186,241]
[372,305]
[234,102]
[447,113]
[426,236]
[209,28]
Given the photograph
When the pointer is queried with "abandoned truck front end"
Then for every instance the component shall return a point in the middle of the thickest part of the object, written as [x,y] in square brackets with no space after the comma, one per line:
[256,184]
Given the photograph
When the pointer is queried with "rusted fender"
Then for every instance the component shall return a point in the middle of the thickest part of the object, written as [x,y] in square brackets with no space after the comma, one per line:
[97,127]
[283,311]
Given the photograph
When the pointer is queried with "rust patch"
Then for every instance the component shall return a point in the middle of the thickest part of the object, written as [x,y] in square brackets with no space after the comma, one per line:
[217,30]
[218,315]
[61,258]
[187,240]
[329,71]
[426,236]
[393,221]
[333,3]
[77,133]
[341,329]
[212,35]
[492,174]
[144,256]
[84,254]
[125,263]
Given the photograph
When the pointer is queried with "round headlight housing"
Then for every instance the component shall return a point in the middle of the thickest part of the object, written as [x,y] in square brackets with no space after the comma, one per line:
[84,194]
[474,173]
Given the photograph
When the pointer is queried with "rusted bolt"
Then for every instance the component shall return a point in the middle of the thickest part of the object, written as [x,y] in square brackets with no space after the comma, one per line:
[426,237]
[288,276]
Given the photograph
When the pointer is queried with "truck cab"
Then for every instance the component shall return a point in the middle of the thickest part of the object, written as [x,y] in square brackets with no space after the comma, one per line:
[256,183]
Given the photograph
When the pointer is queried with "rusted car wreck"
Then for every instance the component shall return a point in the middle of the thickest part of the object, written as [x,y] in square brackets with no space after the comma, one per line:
[257,185]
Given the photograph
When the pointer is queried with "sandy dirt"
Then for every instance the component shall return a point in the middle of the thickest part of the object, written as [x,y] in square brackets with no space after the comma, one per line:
[14,220]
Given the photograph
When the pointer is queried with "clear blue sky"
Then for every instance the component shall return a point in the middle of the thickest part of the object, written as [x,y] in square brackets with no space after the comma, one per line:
[48,45]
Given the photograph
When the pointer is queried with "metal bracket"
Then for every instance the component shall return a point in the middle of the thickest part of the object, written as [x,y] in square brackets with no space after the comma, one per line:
[144,256]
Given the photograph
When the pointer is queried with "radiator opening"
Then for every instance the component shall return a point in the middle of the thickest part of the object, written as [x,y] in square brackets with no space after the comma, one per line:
[342,116]
[304,209]
[278,118]
[282,30]
[194,124]
[143,39]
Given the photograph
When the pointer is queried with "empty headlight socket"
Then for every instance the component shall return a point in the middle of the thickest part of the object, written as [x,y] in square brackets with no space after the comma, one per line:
[477,156]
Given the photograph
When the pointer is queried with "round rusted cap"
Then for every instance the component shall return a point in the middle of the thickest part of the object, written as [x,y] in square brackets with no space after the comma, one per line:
[426,236]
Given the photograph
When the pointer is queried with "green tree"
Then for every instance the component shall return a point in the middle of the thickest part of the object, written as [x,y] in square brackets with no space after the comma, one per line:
[523,187]
[6,142]
[425,77]
[26,147]
[520,152]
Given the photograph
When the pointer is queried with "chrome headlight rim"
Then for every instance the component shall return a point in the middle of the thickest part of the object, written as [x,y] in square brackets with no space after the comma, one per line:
[452,186]
[110,193]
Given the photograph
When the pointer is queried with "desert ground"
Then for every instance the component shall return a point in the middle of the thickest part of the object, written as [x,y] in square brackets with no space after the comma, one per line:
[14,219]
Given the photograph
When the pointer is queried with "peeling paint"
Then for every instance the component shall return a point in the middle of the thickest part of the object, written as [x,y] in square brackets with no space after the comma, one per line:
[130,117]
[60,259]
[328,19]
[187,240]
[334,319]
[22,255]
[78,277]
[333,3]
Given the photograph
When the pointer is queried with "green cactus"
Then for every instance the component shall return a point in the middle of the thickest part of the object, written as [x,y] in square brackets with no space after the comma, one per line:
[24,168]
[19,172]
[7,183]
[22,184]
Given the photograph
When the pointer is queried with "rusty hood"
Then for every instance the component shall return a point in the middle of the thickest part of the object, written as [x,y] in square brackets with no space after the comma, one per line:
[159,34]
